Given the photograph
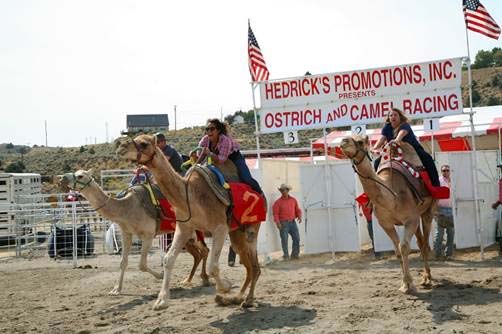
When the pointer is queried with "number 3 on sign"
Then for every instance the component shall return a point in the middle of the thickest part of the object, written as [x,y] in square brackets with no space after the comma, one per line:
[359,130]
[291,137]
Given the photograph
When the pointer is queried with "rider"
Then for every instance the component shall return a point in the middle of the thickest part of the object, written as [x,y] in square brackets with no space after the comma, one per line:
[397,129]
[219,146]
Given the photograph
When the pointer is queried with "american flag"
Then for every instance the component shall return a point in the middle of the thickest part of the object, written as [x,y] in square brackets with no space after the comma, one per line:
[477,19]
[257,66]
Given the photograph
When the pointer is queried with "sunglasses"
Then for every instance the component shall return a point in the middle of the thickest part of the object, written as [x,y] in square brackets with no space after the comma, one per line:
[445,170]
[210,128]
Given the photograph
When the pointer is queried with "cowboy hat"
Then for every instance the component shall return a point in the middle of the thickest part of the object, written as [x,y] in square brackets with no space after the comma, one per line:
[284,186]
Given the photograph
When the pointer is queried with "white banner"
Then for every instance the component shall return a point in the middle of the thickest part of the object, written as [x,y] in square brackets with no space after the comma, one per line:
[423,90]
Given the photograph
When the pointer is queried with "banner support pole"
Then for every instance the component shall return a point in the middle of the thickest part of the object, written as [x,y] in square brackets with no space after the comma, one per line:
[257,132]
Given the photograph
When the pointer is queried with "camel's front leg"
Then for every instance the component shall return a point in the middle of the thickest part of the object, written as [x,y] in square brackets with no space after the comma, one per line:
[404,246]
[126,248]
[180,238]
[424,251]
[219,235]
[251,243]
[146,244]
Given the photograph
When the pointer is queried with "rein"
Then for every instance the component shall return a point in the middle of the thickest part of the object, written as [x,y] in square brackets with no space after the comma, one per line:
[85,185]
[139,153]
[357,163]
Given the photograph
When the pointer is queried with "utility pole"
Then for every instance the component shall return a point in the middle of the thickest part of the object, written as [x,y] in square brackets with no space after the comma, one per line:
[46,133]
[174,118]
[106,127]
[221,114]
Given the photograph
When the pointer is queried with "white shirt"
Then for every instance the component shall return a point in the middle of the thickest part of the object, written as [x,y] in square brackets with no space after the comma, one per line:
[445,203]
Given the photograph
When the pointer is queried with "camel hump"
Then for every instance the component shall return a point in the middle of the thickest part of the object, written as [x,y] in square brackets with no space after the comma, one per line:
[409,155]
[228,170]
[213,182]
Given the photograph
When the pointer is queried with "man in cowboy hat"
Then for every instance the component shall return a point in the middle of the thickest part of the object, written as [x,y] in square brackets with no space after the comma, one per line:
[286,210]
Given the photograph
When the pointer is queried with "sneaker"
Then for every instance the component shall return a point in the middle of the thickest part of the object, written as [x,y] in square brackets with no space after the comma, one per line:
[294,257]
[285,258]
[231,263]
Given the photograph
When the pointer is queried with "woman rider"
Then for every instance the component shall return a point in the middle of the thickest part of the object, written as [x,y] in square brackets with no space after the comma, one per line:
[397,129]
[218,145]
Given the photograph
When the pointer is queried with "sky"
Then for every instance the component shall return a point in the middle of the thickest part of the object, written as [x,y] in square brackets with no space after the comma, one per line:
[82,65]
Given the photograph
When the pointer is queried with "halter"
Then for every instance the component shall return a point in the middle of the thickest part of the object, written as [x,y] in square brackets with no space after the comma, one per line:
[139,152]
[85,185]
[357,163]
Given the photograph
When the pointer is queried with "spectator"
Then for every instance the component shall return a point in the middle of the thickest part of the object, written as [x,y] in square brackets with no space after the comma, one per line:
[366,210]
[286,210]
[190,162]
[171,154]
[444,219]
[496,206]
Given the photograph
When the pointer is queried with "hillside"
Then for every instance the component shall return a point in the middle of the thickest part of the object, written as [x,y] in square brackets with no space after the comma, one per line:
[50,161]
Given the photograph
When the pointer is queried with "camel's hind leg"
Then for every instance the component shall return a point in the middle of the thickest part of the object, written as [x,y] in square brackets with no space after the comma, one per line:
[180,238]
[126,247]
[244,243]
[425,248]
[204,252]
[194,251]
[146,244]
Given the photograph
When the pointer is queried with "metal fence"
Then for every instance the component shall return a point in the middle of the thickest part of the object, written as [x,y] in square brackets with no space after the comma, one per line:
[47,225]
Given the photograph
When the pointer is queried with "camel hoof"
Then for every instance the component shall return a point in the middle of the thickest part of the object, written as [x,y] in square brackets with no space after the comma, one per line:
[186,282]
[226,301]
[426,283]
[160,304]
[247,304]
[225,286]
[115,292]
[206,282]
[407,289]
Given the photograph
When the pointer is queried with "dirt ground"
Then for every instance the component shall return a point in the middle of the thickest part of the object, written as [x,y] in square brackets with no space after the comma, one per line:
[355,293]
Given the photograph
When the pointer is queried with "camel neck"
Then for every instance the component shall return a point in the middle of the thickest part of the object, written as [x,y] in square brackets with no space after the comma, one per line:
[171,184]
[107,207]
[369,178]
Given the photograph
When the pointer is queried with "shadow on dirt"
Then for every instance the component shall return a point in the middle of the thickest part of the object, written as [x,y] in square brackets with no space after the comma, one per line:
[446,299]
[265,317]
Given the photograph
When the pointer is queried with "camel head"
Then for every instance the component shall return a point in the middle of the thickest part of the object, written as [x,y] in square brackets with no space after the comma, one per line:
[140,149]
[355,147]
[76,181]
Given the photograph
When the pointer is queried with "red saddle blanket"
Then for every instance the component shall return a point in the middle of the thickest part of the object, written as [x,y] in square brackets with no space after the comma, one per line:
[248,205]
[436,192]
[168,221]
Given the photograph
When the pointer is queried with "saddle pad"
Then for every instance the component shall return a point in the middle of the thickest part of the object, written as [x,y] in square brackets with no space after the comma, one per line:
[248,206]
[211,179]
[168,223]
[416,183]
[436,192]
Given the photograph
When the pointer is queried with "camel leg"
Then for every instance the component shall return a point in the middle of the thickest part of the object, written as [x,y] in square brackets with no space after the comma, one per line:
[244,243]
[219,234]
[404,246]
[194,251]
[251,238]
[204,251]
[126,248]
[392,234]
[426,226]
[146,244]
[180,238]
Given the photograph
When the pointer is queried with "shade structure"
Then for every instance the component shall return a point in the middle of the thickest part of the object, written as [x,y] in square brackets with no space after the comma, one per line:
[453,134]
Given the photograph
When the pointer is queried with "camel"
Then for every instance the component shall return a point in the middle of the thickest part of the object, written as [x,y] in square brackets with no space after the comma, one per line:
[395,204]
[134,219]
[197,207]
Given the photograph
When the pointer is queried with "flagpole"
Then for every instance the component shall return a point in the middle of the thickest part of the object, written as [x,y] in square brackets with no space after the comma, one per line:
[474,156]
[257,133]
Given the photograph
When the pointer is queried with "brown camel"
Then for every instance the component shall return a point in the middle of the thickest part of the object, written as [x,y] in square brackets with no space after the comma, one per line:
[395,204]
[134,219]
[196,207]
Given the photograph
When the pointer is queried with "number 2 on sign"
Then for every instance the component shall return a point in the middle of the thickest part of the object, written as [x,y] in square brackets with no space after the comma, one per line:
[246,215]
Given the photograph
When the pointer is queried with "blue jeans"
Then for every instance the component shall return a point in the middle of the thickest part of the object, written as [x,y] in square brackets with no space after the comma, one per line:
[243,171]
[290,227]
[450,234]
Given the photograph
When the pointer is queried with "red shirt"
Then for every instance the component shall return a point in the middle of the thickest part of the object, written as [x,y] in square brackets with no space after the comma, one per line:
[286,209]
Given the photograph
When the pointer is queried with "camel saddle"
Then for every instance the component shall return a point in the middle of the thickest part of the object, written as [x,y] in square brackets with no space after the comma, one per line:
[157,206]
[416,185]
[212,180]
